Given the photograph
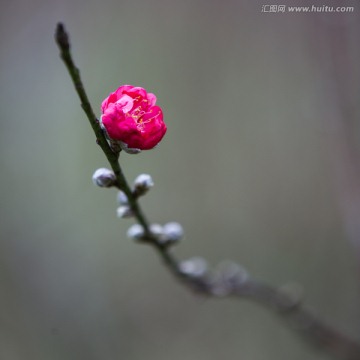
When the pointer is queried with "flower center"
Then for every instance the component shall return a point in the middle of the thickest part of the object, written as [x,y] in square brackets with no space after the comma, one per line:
[138,116]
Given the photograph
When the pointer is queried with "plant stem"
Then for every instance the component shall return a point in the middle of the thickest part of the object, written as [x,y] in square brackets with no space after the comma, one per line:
[62,40]
[314,330]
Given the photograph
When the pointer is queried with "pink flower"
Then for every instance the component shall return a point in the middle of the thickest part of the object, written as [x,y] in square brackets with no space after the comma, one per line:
[130,116]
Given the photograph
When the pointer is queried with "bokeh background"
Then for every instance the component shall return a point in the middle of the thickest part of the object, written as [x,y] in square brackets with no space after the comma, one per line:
[260,165]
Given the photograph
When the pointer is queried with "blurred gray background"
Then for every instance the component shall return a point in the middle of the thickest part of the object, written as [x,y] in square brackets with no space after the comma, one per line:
[260,165]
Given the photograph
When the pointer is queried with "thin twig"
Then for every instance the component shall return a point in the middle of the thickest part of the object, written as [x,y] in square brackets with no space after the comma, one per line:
[313,329]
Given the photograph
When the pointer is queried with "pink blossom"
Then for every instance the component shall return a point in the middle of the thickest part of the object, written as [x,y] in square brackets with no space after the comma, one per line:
[130,116]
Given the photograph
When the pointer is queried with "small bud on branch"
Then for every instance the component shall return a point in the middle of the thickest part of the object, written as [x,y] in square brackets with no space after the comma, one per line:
[104,177]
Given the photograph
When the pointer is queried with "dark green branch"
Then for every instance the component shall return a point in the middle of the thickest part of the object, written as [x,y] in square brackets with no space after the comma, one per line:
[62,40]
[307,324]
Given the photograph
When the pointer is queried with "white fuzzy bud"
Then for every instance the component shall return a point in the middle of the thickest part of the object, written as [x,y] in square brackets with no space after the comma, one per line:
[136,232]
[233,272]
[122,198]
[124,212]
[195,267]
[229,277]
[142,184]
[156,230]
[104,177]
[172,232]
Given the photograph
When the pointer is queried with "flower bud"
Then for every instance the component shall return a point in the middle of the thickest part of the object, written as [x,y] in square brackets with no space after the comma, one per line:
[195,267]
[229,277]
[233,273]
[172,232]
[104,177]
[122,198]
[136,232]
[124,212]
[142,184]
[156,230]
